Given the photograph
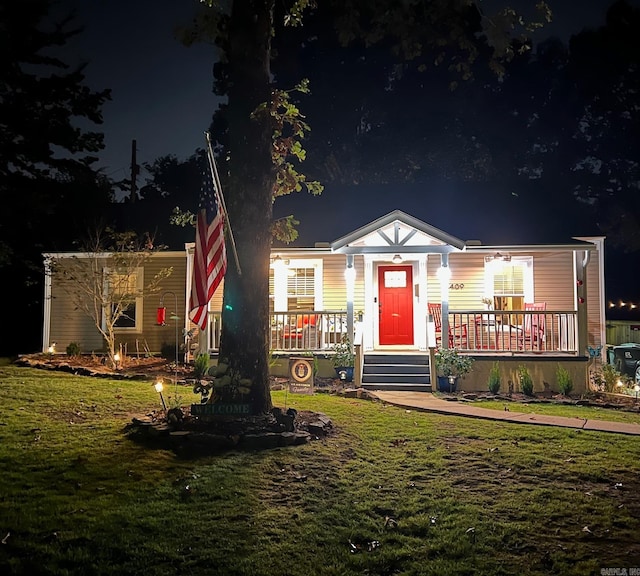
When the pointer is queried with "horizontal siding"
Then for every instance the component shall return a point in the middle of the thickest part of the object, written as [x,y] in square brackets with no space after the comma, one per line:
[335,287]
[553,280]
[70,324]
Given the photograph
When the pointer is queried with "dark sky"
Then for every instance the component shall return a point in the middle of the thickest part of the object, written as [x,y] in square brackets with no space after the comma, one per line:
[162,90]
[162,97]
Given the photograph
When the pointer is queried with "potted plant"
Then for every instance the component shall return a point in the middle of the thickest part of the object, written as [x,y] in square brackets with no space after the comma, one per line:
[344,359]
[451,365]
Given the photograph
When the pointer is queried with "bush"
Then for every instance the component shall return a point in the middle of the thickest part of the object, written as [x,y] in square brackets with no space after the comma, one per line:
[73,349]
[606,379]
[565,384]
[168,351]
[526,383]
[494,378]
[201,366]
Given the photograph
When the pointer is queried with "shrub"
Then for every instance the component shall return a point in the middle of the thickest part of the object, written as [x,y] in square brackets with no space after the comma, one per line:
[449,362]
[73,349]
[565,384]
[168,351]
[201,366]
[605,379]
[494,378]
[526,383]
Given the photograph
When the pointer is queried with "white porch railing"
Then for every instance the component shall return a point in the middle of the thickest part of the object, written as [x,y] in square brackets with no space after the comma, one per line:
[528,331]
[302,330]
[524,331]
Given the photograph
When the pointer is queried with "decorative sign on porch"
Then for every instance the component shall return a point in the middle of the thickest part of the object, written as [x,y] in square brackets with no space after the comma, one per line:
[300,375]
[220,409]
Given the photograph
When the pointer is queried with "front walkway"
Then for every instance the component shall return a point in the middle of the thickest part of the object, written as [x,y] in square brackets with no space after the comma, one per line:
[430,403]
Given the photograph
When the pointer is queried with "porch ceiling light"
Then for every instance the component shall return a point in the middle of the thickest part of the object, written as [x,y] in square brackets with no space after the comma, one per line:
[397,259]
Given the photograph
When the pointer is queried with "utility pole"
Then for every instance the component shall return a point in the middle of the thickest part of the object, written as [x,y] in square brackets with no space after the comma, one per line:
[135,169]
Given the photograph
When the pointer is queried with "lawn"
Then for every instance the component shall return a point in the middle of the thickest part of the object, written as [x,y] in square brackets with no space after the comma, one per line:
[391,491]
[570,410]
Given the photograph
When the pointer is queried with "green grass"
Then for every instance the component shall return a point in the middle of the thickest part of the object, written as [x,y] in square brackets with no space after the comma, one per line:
[391,491]
[568,410]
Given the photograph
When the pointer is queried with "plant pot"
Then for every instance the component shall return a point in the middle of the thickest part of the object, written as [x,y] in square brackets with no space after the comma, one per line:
[345,373]
[445,386]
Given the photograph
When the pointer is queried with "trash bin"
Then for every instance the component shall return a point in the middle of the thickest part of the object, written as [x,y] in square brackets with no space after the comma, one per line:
[627,358]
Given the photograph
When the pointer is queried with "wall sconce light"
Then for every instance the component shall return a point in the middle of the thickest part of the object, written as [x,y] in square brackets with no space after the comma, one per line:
[397,259]
[159,387]
[498,257]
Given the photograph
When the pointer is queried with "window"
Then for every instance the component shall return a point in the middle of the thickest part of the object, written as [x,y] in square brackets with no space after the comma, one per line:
[300,288]
[509,284]
[296,285]
[125,294]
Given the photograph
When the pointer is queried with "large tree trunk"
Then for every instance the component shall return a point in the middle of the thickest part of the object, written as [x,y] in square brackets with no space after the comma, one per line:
[244,342]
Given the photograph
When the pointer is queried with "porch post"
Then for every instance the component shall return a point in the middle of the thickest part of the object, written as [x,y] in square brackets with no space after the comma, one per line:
[350,277]
[445,275]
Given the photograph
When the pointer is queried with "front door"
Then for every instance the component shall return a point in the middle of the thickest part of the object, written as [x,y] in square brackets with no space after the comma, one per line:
[395,305]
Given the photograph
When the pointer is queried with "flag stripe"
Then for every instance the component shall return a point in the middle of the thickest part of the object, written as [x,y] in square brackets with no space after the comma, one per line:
[210,258]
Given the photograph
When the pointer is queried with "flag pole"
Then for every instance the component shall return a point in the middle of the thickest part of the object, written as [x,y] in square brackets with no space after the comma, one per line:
[220,196]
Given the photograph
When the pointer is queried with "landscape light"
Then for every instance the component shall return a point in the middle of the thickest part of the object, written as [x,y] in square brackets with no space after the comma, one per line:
[159,387]
[116,359]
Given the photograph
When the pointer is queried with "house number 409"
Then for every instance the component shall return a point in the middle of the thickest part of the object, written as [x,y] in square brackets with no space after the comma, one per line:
[458,286]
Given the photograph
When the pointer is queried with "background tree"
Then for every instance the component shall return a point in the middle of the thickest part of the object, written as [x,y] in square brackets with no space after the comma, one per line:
[49,187]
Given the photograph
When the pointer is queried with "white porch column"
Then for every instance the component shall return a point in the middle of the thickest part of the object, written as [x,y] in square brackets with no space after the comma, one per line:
[444,274]
[350,277]
[370,311]
[422,312]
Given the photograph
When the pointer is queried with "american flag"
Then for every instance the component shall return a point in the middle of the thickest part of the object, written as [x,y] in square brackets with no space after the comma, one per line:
[210,257]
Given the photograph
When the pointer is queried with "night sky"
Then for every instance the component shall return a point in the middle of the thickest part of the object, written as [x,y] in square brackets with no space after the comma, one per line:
[162,98]
[162,90]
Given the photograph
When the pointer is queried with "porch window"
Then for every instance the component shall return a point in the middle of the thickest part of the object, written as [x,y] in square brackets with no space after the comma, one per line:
[509,284]
[296,286]
[301,289]
[125,295]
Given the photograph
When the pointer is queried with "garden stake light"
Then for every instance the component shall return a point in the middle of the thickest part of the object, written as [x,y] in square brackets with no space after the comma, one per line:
[159,387]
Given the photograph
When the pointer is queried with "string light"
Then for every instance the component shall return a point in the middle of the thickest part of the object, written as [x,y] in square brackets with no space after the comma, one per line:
[622,304]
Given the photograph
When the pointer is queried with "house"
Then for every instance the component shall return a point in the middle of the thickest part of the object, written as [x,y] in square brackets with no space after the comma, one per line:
[397,285]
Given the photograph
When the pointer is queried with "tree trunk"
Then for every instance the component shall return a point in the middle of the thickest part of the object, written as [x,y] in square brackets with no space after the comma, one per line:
[244,342]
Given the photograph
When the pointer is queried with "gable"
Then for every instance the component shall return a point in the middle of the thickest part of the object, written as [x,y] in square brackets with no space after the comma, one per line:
[397,231]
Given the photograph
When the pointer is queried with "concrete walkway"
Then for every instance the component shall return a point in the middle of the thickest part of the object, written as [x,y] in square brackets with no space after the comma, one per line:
[430,403]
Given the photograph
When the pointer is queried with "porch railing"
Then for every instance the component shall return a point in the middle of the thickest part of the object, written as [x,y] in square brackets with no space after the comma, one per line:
[471,331]
[308,330]
[528,331]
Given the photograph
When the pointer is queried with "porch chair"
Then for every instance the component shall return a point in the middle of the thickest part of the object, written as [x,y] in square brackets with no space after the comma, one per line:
[457,333]
[533,326]
[304,334]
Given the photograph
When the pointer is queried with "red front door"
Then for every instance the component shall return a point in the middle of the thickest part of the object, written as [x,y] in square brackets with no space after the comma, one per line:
[395,304]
